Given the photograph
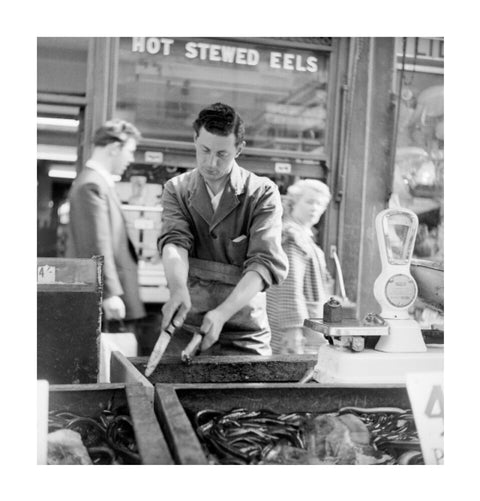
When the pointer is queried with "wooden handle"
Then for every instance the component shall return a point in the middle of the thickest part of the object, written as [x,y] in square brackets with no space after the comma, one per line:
[191,349]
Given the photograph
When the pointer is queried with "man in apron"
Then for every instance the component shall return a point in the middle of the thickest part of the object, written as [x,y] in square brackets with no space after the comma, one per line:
[221,242]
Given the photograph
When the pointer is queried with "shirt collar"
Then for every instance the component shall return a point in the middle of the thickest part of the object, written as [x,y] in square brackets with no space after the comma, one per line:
[236,181]
[98,167]
[215,199]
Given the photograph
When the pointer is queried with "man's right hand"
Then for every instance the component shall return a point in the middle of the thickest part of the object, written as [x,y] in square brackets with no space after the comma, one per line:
[175,310]
[114,308]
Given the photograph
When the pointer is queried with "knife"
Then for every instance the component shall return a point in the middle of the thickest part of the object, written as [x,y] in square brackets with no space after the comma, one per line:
[159,349]
[192,347]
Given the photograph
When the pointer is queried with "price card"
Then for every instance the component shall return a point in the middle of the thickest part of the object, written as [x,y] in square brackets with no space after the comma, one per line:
[46,274]
[283,168]
[155,157]
[425,391]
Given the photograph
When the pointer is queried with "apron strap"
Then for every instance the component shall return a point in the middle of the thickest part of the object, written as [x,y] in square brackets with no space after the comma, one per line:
[214,271]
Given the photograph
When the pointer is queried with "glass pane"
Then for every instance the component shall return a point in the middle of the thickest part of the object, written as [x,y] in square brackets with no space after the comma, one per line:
[281,93]
[398,237]
[419,162]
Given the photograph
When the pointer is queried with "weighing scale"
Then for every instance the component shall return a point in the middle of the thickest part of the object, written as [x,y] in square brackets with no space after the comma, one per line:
[401,348]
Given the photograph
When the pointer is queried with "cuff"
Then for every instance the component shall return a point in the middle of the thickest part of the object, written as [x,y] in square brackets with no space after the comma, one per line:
[263,271]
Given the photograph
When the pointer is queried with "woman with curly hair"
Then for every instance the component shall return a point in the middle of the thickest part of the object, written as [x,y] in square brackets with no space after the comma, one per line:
[308,284]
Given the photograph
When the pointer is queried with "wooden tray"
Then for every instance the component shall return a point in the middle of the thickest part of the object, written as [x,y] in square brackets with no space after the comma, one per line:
[176,403]
[208,369]
[91,399]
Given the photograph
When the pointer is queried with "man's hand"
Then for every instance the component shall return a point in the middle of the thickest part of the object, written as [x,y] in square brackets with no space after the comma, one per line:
[114,308]
[211,327]
[176,308]
[250,284]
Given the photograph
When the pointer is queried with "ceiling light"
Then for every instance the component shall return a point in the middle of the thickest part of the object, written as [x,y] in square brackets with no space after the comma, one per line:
[64,123]
[56,153]
[64,172]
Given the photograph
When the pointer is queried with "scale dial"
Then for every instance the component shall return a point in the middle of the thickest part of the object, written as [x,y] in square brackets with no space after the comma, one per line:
[400,290]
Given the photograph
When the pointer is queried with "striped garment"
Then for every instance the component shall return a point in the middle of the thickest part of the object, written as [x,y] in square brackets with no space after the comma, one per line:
[302,294]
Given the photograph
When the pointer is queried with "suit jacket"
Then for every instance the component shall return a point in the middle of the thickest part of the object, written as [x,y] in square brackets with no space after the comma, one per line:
[97,227]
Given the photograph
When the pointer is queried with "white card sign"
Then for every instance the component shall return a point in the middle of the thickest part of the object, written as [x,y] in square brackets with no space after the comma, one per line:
[143,224]
[154,157]
[46,274]
[425,391]
[283,168]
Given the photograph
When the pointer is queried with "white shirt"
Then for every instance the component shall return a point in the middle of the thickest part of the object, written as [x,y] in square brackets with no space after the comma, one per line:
[96,166]
[215,199]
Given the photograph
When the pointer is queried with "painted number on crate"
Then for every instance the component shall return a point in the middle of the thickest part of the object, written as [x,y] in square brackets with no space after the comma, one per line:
[425,391]
[46,274]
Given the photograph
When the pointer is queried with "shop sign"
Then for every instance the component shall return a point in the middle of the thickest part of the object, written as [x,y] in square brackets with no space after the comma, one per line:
[154,157]
[283,168]
[425,47]
[425,391]
[422,48]
[230,54]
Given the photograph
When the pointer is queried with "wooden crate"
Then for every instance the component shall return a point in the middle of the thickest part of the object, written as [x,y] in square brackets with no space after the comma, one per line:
[92,399]
[123,371]
[210,369]
[175,404]
[69,296]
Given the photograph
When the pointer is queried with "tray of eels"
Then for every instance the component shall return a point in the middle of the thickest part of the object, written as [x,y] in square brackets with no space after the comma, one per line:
[348,436]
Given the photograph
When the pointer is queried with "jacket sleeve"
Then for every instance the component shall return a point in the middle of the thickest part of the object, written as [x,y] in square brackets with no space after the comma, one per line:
[93,233]
[175,224]
[265,254]
[291,307]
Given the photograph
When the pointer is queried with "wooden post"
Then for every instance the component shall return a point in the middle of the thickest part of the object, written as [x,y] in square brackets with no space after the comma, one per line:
[368,143]
[101,87]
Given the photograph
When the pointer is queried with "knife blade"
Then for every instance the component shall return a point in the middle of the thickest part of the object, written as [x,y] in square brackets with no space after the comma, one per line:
[159,349]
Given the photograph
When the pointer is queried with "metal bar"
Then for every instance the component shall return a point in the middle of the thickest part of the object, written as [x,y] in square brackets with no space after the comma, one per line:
[248,151]
[341,283]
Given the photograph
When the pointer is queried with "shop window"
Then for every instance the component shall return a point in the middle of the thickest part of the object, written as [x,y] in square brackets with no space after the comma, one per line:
[419,162]
[281,93]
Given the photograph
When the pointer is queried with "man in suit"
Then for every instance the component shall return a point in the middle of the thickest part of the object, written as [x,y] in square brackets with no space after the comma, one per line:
[97,225]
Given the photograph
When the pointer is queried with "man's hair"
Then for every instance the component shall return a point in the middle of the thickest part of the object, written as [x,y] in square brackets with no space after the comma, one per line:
[222,120]
[296,190]
[114,131]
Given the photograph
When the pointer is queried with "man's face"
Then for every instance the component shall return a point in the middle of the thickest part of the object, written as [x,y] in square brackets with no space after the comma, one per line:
[123,155]
[215,154]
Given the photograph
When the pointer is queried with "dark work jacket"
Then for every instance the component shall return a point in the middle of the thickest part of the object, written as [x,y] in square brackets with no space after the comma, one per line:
[244,234]
[244,231]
